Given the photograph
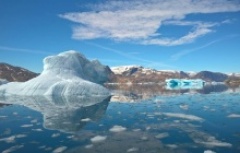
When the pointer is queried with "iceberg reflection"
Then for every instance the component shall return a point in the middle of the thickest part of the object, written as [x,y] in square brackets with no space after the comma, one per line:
[63,113]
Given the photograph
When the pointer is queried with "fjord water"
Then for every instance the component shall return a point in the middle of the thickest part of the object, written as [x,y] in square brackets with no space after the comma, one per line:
[136,119]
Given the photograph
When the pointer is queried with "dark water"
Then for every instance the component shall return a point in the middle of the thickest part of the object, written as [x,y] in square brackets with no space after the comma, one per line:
[138,119]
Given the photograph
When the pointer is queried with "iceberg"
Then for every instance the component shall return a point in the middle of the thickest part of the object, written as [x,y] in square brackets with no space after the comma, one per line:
[68,73]
[176,84]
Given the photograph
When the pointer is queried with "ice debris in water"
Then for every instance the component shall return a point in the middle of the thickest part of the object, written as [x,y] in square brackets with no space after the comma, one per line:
[60,149]
[162,135]
[117,128]
[209,151]
[183,116]
[13,148]
[98,138]
[234,116]
[132,149]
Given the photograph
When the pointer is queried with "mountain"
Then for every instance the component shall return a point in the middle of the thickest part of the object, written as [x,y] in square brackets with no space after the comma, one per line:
[139,74]
[16,74]
[211,76]
[71,78]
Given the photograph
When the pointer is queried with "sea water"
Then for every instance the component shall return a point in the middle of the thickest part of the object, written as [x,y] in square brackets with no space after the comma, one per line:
[172,122]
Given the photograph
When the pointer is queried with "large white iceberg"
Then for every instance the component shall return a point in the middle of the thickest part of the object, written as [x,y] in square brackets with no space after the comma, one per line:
[68,73]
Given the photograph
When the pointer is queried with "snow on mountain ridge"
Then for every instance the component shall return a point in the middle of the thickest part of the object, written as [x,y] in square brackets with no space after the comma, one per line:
[68,73]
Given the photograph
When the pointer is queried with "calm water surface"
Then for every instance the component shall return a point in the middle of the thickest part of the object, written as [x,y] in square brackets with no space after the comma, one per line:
[139,119]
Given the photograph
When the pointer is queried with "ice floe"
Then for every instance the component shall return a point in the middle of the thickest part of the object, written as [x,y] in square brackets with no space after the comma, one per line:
[26,125]
[184,116]
[98,138]
[209,151]
[132,149]
[162,135]
[13,148]
[60,149]
[234,116]
[117,128]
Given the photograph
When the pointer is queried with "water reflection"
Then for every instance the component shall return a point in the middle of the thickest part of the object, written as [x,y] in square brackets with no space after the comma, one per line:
[138,92]
[66,114]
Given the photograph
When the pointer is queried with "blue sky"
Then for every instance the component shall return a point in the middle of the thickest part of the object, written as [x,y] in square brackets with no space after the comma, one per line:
[188,35]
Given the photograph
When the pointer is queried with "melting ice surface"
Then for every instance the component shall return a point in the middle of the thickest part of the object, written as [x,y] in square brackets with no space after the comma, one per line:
[199,121]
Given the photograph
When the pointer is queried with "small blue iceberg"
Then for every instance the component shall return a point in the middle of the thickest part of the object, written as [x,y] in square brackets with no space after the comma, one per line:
[176,84]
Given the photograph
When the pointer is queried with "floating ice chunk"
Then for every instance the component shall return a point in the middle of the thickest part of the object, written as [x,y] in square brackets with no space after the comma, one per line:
[234,116]
[209,151]
[172,146]
[85,119]
[98,138]
[34,121]
[162,135]
[133,149]
[184,116]
[54,135]
[59,149]
[136,130]
[13,148]
[216,144]
[173,84]
[26,125]
[12,139]
[37,130]
[185,107]
[144,138]
[117,128]
[89,146]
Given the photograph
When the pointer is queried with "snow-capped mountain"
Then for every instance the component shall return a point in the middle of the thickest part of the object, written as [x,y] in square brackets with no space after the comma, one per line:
[139,74]
[68,73]
[16,74]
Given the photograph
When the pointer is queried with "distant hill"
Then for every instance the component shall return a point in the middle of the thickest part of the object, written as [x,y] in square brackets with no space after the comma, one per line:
[139,74]
[127,74]
[15,74]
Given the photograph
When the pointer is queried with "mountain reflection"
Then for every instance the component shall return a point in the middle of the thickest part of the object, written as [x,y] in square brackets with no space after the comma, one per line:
[138,92]
[63,113]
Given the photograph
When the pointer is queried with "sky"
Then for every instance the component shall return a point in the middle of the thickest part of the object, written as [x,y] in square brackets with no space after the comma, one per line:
[187,35]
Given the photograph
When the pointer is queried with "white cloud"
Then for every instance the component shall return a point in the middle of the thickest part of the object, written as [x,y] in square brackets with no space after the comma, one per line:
[140,21]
